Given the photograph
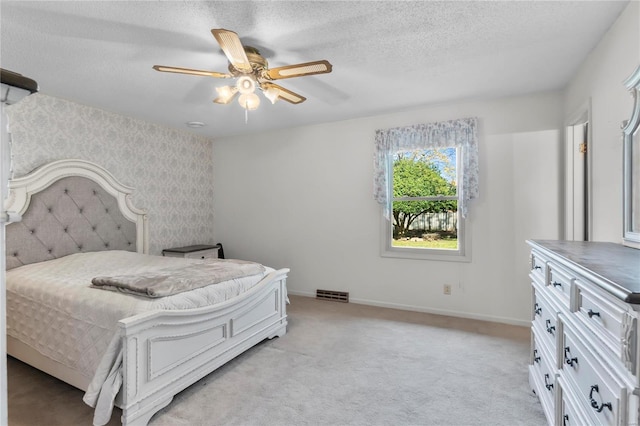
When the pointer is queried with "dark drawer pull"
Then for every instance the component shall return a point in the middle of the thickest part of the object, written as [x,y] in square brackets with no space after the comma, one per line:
[547,385]
[536,359]
[593,314]
[567,357]
[565,419]
[537,267]
[537,309]
[550,328]
[556,284]
[594,403]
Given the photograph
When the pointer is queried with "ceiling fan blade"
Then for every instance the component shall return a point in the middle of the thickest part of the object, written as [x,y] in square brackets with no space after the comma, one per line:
[308,68]
[232,47]
[285,94]
[190,71]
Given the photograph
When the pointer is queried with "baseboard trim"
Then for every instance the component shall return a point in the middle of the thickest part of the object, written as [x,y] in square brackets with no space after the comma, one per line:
[445,312]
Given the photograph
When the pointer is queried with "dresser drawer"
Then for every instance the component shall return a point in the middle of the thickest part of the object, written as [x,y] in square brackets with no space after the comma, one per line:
[571,413]
[203,254]
[545,320]
[542,378]
[609,320]
[541,353]
[538,264]
[597,388]
[559,282]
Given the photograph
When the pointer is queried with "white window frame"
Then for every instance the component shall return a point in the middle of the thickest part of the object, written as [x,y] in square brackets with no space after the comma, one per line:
[462,254]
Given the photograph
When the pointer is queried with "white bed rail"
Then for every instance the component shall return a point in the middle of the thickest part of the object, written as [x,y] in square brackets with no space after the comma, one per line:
[166,351]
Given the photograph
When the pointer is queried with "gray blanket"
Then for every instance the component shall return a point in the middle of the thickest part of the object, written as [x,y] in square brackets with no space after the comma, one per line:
[168,281]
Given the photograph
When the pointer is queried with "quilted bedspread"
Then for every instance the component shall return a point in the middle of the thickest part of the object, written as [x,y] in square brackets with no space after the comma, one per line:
[52,308]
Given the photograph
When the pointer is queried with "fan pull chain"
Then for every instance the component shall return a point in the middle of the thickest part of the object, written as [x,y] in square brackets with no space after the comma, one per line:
[246,112]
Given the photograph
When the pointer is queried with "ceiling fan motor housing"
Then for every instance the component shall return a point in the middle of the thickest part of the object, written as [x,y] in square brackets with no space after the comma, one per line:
[257,61]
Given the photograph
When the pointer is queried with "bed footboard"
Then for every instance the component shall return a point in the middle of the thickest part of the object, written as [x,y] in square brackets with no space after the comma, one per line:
[167,351]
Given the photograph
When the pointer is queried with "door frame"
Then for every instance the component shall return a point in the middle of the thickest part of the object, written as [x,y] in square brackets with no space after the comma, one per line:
[581,115]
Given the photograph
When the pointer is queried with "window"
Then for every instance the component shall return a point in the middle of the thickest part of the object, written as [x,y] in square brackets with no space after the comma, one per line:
[424,207]
[425,175]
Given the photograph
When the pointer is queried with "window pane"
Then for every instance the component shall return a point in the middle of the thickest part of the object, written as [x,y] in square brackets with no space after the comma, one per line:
[425,224]
[425,173]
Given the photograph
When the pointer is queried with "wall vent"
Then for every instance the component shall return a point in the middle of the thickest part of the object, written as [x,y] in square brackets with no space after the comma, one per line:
[336,296]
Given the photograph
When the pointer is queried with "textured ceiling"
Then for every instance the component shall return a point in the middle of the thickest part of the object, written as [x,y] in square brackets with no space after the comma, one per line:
[386,56]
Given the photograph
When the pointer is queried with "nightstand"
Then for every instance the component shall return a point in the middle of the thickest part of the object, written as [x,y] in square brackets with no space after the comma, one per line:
[199,251]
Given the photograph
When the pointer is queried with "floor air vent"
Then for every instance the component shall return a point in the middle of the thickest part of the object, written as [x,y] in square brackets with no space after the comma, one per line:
[336,296]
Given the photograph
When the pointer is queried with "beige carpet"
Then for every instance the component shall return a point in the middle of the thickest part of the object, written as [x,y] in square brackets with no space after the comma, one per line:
[339,364]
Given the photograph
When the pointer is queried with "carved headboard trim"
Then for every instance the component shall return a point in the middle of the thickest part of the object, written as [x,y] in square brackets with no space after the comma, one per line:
[21,189]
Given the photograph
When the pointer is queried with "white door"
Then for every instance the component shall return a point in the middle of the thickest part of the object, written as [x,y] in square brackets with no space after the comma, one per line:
[576,182]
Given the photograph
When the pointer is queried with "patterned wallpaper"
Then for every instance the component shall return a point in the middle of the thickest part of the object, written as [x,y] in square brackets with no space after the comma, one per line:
[171,170]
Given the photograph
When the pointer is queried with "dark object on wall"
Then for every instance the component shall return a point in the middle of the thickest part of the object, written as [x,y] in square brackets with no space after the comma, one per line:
[335,296]
[220,251]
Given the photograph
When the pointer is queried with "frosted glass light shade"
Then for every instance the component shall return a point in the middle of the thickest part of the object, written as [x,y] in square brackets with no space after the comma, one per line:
[225,94]
[246,85]
[272,94]
[249,101]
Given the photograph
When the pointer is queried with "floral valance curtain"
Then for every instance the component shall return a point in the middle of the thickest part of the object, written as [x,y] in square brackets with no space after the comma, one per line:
[461,133]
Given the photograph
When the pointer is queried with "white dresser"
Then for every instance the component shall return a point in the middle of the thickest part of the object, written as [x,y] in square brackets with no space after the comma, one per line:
[585,360]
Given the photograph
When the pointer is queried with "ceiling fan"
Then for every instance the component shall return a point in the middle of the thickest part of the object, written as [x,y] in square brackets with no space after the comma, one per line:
[252,71]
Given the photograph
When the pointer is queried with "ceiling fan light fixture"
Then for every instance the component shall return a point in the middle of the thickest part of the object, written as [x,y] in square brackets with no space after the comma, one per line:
[246,85]
[272,94]
[225,94]
[249,101]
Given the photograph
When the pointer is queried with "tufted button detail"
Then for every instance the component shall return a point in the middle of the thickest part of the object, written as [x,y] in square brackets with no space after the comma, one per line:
[93,228]
[50,251]
[15,254]
[80,247]
[49,209]
[95,192]
[128,243]
[106,210]
[106,245]
[66,191]
[32,231]
[118,227]
[80,210]
[66,229]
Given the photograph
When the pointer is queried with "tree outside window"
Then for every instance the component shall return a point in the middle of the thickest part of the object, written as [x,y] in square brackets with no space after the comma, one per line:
[425,199]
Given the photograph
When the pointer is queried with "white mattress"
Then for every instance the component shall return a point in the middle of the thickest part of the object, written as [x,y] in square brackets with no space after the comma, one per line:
[52,308]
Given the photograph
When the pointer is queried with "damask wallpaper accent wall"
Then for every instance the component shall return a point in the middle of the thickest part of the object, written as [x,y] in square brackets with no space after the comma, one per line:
[171,170]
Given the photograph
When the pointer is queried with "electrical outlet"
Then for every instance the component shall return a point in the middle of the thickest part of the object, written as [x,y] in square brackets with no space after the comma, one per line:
[447,289]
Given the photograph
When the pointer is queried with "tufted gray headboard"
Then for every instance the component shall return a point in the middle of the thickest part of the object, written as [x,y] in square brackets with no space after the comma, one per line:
[71,206]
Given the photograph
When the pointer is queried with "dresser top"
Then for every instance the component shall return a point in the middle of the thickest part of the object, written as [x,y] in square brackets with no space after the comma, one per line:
[190,249]
[614,267]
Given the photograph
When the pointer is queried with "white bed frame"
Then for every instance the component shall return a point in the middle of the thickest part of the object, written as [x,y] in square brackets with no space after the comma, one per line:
[164,351]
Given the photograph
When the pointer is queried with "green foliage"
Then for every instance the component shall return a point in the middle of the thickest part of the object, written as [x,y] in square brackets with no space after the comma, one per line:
[418,175]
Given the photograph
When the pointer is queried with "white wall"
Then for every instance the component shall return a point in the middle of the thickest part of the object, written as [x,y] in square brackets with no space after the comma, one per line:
[302,198]
[600,79]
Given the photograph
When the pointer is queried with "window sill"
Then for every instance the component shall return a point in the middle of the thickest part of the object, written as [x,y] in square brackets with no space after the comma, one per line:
[426,254]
